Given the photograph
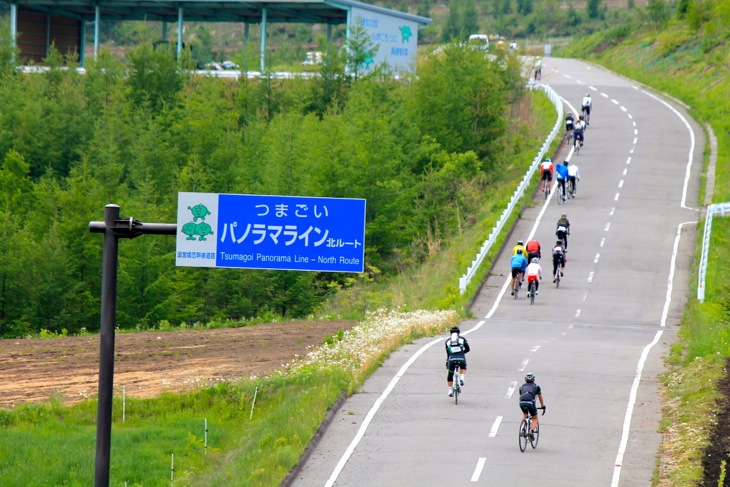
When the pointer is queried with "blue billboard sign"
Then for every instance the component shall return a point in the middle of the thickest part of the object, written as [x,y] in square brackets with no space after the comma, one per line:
[270,232]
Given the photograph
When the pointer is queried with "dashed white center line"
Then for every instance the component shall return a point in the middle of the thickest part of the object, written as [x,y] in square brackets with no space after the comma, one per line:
[621,184]
[624,108]
[636,131]
[608,225]
[495,427]
[577,313]
[590,276]
[615,198]
[614,101]
[626,170]
[511,389]
[585,296]
[535,348]
[523,365]
[595,259]
[603,241]
[610,213]
[635,140]
[478,470]
[605,95]
[628,161]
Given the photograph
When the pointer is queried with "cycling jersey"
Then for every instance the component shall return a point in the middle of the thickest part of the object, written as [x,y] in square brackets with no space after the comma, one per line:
[519,247]
[558,253]
[546,166]
[561,171]
[573,171]
[518,261]
[534,271]
[533,247]
[529,392]
[586,102]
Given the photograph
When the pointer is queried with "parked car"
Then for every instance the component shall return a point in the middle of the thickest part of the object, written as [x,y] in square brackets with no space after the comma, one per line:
[228,65]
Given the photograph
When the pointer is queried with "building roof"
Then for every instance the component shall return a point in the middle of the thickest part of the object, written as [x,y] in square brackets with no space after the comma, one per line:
[245,11]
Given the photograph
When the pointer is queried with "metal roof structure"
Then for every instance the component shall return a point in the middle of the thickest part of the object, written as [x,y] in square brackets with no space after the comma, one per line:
[247,11]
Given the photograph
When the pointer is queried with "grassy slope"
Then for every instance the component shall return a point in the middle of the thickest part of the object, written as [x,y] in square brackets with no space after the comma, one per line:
[694,67]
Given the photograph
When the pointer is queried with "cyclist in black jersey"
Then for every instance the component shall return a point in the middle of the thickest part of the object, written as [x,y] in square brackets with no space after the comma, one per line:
[528,392]
[456,349]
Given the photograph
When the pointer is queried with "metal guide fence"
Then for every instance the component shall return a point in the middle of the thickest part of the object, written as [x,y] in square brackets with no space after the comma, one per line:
[720,209]
[487,245]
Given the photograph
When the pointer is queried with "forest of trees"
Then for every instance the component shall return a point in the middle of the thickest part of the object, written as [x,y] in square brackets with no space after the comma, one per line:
[422,152]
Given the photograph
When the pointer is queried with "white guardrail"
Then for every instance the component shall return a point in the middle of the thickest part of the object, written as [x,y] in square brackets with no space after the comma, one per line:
[720,209]
[487,245]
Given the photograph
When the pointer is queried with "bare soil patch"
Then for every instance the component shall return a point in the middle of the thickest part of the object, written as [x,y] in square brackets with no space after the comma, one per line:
[718,450]
[149,363]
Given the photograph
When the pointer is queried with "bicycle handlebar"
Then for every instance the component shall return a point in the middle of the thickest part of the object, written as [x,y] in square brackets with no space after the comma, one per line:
[543,410]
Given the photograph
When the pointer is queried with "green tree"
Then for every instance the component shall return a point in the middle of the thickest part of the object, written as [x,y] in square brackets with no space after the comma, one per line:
[657,11]
[360,51]
[593,7]
[469,18]
[452,27]
[524,7]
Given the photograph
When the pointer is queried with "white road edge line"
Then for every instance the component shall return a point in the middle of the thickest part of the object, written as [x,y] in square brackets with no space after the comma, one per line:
[478,469]
[670,279]
[630,410]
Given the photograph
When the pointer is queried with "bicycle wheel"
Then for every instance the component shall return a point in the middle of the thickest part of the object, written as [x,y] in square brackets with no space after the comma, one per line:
[516,287]
[523,438]
[547,190]
[532,292]
[457,384]
[557,278]
[535,437]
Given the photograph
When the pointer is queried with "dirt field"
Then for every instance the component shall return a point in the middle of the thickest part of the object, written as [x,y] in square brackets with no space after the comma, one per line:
[146,364]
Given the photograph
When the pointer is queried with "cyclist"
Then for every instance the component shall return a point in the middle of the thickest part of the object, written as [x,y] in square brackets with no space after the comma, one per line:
[528,392]
[562,230]
[561,174]
[518,264]
[520,246]
[534,274]
[533,250]
[456,349]
[546,169]
[587,105]
[573,177]
[569,124]
[579,131]
[558,258]
[538,69]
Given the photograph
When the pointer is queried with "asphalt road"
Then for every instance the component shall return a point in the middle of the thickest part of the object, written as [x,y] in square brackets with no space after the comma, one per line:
[596,344]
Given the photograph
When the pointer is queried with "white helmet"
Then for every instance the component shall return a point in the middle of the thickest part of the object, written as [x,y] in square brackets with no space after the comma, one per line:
[534,260]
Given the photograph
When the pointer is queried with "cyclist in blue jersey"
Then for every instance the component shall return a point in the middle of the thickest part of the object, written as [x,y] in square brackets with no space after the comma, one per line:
[456,349]
[561,174]
[518,262]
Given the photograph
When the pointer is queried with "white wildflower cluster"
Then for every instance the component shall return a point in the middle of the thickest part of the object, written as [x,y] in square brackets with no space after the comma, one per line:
[381,332]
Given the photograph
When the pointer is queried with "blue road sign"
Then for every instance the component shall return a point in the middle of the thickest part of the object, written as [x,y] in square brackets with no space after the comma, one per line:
[270,232]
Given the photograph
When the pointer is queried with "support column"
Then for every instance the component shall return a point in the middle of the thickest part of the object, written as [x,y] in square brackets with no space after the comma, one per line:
[97,20]
[14,28]
[164,30]
[246,30]
[179,30]
[82,42]
[329,37]
[48,34]
[263,40]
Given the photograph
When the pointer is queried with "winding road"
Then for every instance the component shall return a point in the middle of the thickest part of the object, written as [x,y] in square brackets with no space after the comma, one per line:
[596,344]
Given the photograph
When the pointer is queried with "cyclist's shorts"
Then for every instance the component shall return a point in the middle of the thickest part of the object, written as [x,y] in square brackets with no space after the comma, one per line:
[569,126]
[547,174]
[516,271]
[560,259]
[528,407]
[451,364]
[561,235]
[587,109]
[531,279]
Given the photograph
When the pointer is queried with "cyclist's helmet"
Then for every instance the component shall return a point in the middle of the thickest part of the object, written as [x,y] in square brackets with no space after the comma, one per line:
[520,242]
[529,377]
[588,95]
[581,117]
[519,251]
[565,163]
[547,159]
[455,329]
[558,242]
[534,260]
[564,215]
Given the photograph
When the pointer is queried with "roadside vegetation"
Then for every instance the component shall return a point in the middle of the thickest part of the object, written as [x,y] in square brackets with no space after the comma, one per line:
[683,49]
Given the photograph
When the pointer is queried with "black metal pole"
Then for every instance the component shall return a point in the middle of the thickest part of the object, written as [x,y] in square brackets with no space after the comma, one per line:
[106,347]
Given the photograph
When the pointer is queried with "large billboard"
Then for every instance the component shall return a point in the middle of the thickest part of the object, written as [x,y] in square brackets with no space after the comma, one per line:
[396,38]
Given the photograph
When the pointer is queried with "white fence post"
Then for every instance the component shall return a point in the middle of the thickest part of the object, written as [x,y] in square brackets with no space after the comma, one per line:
[721,209]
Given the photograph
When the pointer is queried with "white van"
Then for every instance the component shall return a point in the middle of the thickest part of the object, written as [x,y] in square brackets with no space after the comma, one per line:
[480,41]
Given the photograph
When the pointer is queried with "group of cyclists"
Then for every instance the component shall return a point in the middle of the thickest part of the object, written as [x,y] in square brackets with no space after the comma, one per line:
[575,129]
[525,260]
[564,173]
[456,349]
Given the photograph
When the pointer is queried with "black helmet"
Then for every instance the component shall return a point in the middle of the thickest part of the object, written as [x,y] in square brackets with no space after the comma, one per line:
[565,163]
[529,377]
[519,251]
[520,242]
[455,329]
[558,242]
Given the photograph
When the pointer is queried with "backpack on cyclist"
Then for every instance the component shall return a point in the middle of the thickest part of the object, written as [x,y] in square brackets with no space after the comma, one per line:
[455,346]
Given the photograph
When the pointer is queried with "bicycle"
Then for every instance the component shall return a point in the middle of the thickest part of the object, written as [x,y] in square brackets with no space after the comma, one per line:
[560,196]
[577,144]
[547,190]
[532,289]
[557,276]
[517,286]
[525,434]
[457,383]
[571,189]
